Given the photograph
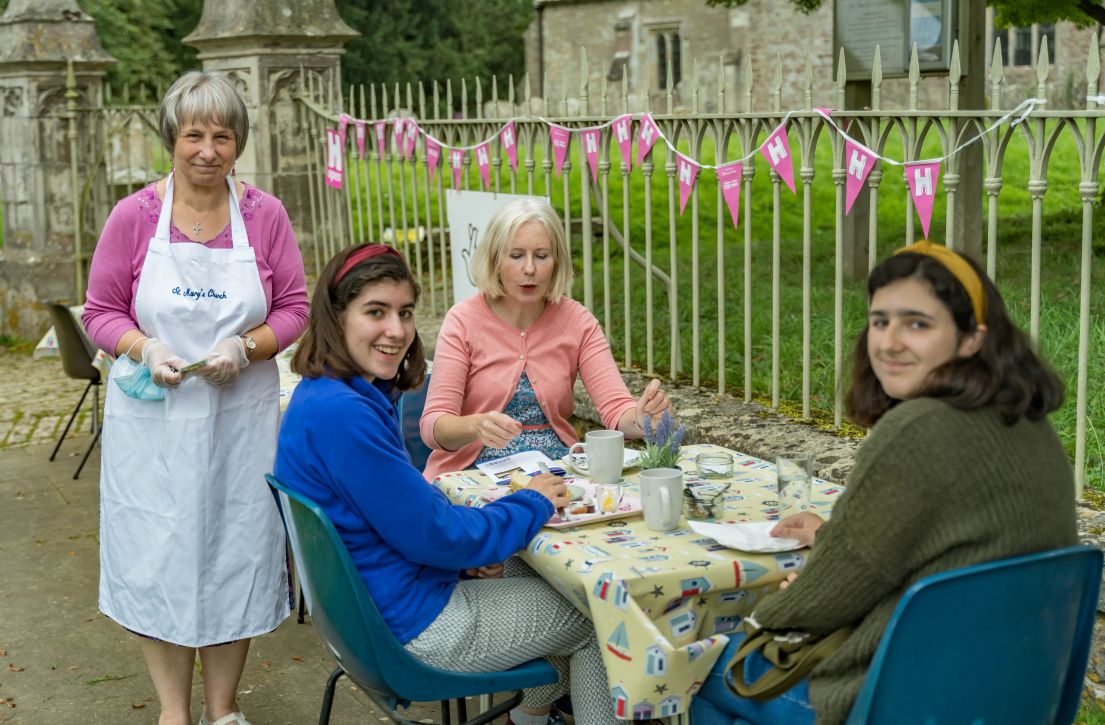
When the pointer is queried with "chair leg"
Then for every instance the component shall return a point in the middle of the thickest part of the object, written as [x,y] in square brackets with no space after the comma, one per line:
[446,714]
[302,604]
[328,696]
[462,709]
[87,452]
[501,709]
[71,419]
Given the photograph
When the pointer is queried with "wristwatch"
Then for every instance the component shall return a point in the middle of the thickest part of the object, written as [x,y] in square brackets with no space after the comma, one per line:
[250,346]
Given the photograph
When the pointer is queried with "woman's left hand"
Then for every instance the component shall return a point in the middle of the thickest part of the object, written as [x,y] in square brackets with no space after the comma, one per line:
[652,403]
[225,361]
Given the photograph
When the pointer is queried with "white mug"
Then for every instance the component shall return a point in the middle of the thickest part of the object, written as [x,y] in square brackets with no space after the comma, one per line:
[605,455]
[662,497]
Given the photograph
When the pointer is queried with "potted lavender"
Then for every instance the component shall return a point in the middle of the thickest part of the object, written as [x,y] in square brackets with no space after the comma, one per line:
[662,443]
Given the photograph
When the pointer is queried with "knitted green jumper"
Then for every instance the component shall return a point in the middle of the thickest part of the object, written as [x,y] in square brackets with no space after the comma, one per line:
[933,488]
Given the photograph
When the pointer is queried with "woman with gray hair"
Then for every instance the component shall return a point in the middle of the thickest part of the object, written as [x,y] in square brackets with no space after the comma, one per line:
[507,358]
[196,283]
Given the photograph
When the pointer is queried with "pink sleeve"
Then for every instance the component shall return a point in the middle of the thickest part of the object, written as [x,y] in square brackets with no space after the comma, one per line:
[448,381]
[600,374]
[115,267]
[288,310]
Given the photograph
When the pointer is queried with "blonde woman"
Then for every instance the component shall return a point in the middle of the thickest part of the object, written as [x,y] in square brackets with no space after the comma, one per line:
[508,357]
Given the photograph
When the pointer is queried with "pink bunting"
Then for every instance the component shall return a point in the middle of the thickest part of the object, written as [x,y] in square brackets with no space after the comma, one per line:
[591,147]
[622,126]
[730,176]
[410,138]
[456,160]
[776,149]
[433,153]
[686,171]
[381,133]
[333,159]
[922,178]
[483,161]
[646,137]
[561,139]
[509,143]
[398,125]
[343,124]
[359,126]
[858,162]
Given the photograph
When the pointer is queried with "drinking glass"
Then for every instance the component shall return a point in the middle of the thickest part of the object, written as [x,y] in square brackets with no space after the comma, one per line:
[608,497]
[714,465]
[794,471]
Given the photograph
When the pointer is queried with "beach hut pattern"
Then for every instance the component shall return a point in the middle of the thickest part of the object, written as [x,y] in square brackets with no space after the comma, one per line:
[661,602]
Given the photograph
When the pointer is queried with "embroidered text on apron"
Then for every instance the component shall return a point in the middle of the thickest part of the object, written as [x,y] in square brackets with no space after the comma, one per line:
[191,545]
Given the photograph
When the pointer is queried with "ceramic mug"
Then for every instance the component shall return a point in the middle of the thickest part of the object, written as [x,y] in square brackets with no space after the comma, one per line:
[605,451]
[662,497]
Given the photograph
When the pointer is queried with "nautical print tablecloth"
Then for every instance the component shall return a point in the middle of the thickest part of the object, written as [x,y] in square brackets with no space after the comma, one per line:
[661,602]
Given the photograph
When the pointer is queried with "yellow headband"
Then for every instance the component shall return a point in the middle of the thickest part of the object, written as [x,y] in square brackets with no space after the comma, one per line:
[959,268]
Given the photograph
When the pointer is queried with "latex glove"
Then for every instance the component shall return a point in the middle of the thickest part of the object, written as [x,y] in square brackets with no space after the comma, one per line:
[163,363]
[225,361]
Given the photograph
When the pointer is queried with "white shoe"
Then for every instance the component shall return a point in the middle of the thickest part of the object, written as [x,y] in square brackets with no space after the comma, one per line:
[233,718]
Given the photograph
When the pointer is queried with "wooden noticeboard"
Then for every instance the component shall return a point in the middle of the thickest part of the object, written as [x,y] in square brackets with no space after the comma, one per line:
[895,25]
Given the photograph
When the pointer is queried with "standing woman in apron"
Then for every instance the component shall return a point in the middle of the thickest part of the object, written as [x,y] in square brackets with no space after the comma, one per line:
[195,267]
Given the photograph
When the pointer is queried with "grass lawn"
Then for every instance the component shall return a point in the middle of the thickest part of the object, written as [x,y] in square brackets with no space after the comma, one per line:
[1060,269]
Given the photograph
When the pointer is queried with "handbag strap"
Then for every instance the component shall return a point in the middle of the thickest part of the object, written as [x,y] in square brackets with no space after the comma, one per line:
[790,663]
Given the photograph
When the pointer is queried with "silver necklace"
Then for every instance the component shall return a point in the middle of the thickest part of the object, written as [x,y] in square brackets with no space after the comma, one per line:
[198,226]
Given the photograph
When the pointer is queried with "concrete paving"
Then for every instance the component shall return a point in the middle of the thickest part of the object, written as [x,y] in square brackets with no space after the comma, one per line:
[61,661]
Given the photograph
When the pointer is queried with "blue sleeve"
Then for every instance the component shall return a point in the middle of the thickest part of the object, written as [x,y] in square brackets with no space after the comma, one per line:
[363,449]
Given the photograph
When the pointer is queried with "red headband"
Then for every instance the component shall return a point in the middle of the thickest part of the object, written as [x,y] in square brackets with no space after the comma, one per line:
[368,251]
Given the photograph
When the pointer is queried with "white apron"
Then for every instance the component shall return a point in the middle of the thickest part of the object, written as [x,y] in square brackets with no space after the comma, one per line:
[191,545]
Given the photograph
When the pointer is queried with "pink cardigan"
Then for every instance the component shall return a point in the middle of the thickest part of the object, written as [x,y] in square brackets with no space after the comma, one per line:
[479,360]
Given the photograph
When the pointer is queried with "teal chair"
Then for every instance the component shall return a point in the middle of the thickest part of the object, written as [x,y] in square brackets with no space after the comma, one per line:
[1001,642]
[411,404]
[348,623]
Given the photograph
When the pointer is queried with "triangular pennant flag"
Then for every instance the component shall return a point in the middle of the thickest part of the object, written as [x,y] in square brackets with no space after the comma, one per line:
[922,178]
[456,160]
[730,176]
[433,153]
[646,137]
[687,171]
[360,134]
[858,162]
[398,125]
[333,159]
[509,143]
[561,138]
[410,138]
[381,134]
[623,126]
[343,124]
[776,149]
[483,161]
[591,147]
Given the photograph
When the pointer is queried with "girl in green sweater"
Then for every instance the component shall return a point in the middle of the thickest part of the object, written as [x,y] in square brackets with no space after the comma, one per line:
[960,466]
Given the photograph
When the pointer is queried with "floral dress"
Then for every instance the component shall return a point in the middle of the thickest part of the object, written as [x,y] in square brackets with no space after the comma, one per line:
[537,433]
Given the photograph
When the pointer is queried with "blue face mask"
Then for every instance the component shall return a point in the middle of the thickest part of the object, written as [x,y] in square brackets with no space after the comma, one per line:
[134,380]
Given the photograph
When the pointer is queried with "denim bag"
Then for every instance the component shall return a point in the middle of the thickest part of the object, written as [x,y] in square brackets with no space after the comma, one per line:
[134,380]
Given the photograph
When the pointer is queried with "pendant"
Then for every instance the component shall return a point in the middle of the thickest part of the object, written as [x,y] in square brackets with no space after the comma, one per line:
[196,228]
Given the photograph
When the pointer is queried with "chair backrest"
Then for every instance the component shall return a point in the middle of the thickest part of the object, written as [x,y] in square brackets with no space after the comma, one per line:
[77,351]
[1001,642]
[411,405]
[344,614]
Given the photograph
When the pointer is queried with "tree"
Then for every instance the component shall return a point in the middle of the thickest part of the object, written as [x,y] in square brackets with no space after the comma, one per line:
[1008,13]
[431,40]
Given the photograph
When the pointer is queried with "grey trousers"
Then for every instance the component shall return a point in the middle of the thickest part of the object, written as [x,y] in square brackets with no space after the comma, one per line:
[495,624]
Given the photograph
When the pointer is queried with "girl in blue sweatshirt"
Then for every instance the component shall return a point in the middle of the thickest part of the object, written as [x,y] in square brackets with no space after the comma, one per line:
[340,445]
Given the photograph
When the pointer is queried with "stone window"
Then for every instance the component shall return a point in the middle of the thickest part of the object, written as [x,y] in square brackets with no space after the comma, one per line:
[668,46]
[1021,46]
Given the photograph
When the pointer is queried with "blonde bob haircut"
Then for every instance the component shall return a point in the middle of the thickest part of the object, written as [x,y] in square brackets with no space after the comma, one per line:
[500,233]
[203,97]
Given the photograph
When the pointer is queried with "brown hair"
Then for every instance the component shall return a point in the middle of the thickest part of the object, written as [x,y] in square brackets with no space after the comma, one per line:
[1006,372]
[322,350]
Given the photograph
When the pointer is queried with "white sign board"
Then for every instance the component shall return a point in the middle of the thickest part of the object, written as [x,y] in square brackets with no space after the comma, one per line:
[894,25]
[469,212]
